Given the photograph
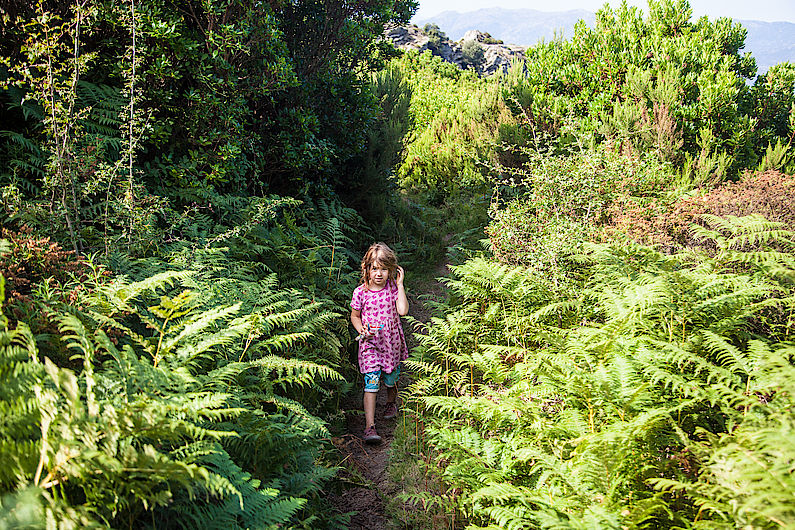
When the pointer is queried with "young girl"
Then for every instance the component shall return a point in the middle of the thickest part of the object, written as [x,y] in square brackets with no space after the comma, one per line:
[376,308]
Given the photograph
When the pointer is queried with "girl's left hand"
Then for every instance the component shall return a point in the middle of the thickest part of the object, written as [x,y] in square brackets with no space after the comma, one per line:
[399,273]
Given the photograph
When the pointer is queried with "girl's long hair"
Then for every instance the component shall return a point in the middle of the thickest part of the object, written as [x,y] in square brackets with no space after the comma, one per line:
[381,253]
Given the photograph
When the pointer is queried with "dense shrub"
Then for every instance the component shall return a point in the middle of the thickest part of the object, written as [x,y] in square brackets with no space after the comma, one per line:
[472,54]
[488,39]
[110,109]
[659,82]
[456,118]
[175,421]
[770,194]
[209,365]
[566,200]
[436,38]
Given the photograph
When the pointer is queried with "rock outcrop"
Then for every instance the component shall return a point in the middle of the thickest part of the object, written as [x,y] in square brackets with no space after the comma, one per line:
[496,56]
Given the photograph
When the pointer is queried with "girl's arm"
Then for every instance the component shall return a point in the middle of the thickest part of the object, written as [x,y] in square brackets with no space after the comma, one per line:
[402,303]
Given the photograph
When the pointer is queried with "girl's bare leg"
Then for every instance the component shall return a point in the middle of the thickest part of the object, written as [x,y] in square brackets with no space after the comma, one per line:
[391,394]
[369,409]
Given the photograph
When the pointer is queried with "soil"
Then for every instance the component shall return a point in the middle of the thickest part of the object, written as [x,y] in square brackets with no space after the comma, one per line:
[366,467]
[369,487]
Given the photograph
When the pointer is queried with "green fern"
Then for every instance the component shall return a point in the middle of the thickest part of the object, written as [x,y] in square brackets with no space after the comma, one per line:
[549,413]
[167,418]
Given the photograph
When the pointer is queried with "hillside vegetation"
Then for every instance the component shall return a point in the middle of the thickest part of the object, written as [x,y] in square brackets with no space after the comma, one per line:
[177,255]
[619,355]
[186,192]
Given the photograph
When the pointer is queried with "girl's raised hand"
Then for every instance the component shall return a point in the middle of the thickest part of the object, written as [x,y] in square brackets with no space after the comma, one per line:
[399,275]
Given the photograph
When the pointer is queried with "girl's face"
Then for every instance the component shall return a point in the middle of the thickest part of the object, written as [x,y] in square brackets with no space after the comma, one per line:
[379,274]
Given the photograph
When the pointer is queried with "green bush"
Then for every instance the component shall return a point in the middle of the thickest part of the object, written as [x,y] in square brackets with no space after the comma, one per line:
[147,106]
[457,117]
[472,54]
[488,39]
[436,38]
[227,340]
[567,200]
[615,81]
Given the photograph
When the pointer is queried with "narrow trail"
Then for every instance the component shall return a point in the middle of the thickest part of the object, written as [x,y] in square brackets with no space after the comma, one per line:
[366,465]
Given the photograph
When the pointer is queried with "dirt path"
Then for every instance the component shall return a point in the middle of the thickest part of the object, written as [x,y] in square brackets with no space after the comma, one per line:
[366,465]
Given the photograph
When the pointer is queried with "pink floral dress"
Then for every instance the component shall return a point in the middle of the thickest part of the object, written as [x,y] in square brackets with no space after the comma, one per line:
[388,347]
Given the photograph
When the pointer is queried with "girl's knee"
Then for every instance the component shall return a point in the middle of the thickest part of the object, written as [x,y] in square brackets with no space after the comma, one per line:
[390,379]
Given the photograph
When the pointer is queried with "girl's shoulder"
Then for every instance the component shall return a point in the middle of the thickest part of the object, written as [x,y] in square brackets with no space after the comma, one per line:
[358,298]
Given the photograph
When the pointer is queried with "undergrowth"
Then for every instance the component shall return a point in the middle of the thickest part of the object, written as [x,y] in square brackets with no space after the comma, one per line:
[628,403]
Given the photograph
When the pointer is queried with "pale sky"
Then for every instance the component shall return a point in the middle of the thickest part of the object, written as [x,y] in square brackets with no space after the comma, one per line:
[764,10]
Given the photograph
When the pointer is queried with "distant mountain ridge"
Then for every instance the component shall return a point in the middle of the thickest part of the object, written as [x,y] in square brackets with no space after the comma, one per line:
[523,27]
[769,42]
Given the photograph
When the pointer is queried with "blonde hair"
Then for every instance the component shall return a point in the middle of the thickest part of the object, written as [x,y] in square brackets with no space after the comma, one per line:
[378,253]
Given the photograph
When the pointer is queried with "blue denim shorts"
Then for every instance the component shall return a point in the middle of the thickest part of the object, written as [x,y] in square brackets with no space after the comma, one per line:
[372,379]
